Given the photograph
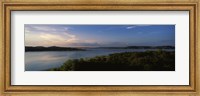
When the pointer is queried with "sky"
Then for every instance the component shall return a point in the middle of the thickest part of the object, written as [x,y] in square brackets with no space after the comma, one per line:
[99,35]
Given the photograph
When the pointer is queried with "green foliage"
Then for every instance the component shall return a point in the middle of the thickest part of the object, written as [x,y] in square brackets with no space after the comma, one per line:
[128,61]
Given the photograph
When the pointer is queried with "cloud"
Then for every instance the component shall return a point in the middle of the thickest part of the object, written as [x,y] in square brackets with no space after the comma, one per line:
[45,28]
[27,29]
[134,26]
[49,39]
[130,27]
[52,35]
[85,44]
[48,35]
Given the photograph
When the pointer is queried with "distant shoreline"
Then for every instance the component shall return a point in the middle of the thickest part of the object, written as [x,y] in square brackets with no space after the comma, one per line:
[52,48]
[56,48]
[141,47]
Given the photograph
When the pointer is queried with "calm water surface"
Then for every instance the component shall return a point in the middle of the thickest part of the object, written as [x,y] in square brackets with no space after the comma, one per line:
[37,61]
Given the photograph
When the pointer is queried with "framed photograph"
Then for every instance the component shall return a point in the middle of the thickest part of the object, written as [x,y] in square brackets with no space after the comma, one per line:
[89,47]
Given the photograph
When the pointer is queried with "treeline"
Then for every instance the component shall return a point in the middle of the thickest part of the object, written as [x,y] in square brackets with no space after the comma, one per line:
[52,48]
[141,47]
[127,61]
[151,47]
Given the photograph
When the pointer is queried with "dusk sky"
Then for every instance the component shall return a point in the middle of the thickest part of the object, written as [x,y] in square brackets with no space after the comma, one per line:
[99,35]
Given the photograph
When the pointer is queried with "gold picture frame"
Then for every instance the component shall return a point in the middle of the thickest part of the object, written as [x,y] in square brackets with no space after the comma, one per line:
[95,5]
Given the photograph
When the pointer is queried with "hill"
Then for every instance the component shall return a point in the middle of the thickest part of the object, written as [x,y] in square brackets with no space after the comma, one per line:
[52,48]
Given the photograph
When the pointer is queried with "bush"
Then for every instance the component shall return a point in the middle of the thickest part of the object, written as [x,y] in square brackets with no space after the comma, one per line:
[128,61]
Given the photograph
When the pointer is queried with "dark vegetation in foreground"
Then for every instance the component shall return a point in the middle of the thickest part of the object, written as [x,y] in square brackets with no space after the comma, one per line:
[52,48]
[127,61]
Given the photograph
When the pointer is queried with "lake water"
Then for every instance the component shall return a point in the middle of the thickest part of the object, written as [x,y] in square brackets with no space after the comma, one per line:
[37,61]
